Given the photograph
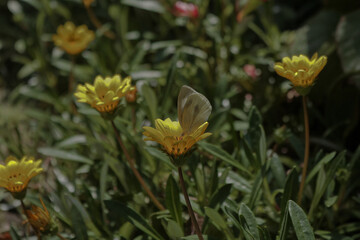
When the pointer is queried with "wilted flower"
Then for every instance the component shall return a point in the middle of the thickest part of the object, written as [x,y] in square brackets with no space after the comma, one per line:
[131,95]
[15,175]
[73,39]
[87,3]
[171,136]
[105,94]
[301,71]
[40,219]
[183,9]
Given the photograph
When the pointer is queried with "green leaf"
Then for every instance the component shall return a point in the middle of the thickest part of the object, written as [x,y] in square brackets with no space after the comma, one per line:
[149,5]
[326,159]
[285,222]
[223,155]
[256,190]
[172,200]
[317,32]
[103,177]
[174,230]
[349,50]
[13,234]
[78,223]
[290,191]
[250,220]
[216,218]
[118,210]
[300,222]
[161,156]
[278,170]
[72,141]
[170,79]
[66,155]
[220,195]
[323,182]
[151,100]
[262,145]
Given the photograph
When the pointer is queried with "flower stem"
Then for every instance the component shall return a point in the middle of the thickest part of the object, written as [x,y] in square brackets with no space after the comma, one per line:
[61,237]
[71,75]
[109,34]
[191,211]
[135,171]
[306,156]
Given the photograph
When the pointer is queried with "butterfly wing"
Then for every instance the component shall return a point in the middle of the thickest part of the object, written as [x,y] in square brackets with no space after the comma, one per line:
[194,109]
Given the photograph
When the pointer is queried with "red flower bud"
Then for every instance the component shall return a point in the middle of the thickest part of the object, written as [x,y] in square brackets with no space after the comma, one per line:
[183,9]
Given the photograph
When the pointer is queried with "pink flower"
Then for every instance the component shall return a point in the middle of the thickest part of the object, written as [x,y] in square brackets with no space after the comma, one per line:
[251,71]
[183,9]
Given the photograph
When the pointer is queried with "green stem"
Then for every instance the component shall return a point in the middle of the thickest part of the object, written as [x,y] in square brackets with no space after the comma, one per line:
[71,75]
[190,210]
[306,156]
[135,171]
[108,33]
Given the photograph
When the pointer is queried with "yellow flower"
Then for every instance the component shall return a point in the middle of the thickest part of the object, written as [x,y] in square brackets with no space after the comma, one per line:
[87,3]
[40,219]
[73,39]
[300,70]
[171,136]
[16,175]
[105,94]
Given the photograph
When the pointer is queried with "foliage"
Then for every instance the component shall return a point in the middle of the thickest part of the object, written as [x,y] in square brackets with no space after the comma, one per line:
[243,180]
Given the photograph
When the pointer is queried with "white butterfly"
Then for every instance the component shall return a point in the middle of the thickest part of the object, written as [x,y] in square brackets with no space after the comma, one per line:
[193,109]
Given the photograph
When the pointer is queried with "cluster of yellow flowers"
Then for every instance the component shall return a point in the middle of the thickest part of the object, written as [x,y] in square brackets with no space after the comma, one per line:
[176,137]
[106,93]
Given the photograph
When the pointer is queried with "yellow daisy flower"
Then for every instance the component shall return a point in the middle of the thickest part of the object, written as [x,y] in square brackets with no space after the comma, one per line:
[301,70]
[40,219]
[171,136]
[105,94]
[73,39]
[15,175]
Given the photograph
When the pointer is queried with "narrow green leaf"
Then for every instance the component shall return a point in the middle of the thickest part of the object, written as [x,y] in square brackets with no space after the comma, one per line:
[172,200]
[262,145]
[223,155]
[149,5]
[174,230]
[160,155]
[326,159]
[300,222]
[250,220]
[323,184]
[151,100]
[170,79]
[72,141]
[103,176]
[290,191]
[14,234]
[256,190]
[78,223]
[216,218]
[220,195]
[278,170]
[118,210]
[66,155]
[285,222]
